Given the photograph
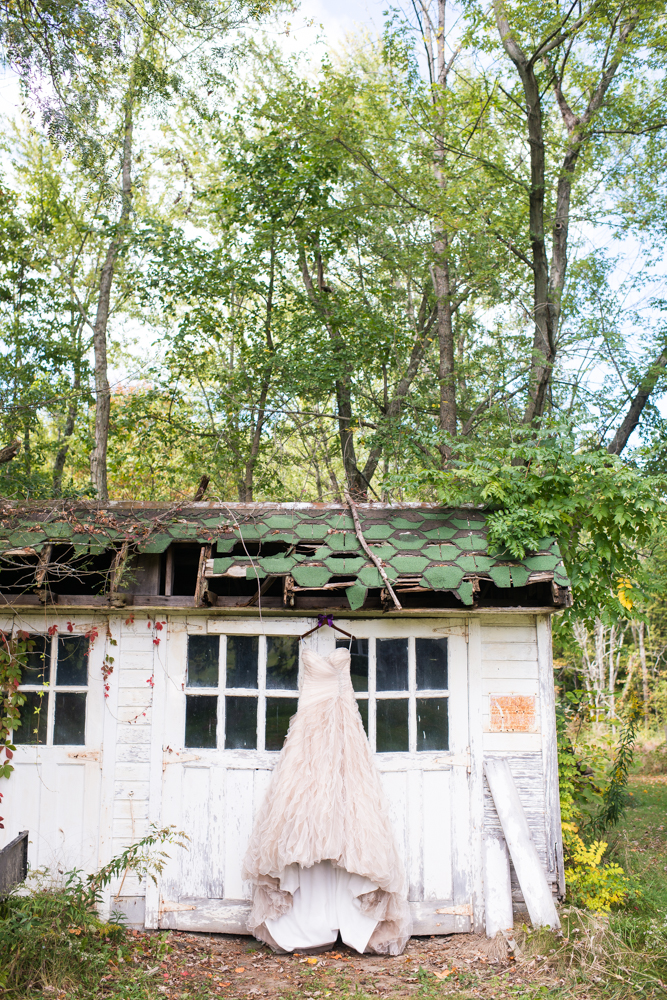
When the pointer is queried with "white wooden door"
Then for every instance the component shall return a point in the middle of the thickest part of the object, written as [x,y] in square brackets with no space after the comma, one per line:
[54,791]
[411,681]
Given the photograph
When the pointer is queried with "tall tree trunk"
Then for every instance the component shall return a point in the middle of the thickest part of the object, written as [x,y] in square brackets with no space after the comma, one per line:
[441,274]
[247,486]
[392,405]
[544,334]
[72,410]
[637,404]
[98,458]
[357,484]
[549,277]
[68,430]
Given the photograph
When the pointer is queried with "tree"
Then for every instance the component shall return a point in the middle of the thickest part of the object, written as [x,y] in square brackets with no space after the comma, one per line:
[581,62]
[139,58]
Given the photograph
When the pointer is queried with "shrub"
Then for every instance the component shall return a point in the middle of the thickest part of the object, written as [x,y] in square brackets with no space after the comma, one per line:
[51,935]
[590,882]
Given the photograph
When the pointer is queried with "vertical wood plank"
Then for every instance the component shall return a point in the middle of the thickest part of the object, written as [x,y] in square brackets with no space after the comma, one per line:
[108,775]
[437,836]
[415,834]
[22,803]
[238,827]
[69,815]
[553,831]
[394,784]
[171,879]
[260,788]
[476,778]
[163,680]
[197,860]
[216,833]
[523,852]
[459,743]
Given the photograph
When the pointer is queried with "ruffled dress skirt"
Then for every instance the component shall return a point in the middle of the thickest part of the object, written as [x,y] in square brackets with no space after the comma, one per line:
[322,856]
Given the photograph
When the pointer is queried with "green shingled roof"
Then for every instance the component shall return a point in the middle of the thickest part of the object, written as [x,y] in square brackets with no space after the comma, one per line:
[421,545]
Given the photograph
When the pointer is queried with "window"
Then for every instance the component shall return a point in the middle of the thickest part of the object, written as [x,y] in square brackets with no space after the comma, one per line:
[242,690]
[55,684]
[401,689]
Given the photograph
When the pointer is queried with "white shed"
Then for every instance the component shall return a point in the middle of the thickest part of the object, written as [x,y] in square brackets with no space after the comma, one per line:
[192,616]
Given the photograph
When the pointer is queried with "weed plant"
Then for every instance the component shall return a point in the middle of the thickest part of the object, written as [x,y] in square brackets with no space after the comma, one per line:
[50,935]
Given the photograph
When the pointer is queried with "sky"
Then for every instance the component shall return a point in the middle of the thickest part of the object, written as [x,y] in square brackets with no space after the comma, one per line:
[338,17]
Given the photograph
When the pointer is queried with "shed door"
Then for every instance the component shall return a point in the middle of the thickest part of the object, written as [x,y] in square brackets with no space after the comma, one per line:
[54,792]
[229,700]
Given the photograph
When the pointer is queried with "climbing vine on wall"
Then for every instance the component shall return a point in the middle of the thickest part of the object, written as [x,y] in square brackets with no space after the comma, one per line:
[14,649]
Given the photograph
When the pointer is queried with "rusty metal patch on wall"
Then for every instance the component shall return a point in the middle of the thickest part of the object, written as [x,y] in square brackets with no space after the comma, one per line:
[512,713]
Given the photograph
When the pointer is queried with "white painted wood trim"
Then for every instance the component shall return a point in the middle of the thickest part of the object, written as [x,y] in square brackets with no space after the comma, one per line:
[160,665]
[532,879]
[498,909]
[554,835]
[109,734]
[476,780]
[229,916]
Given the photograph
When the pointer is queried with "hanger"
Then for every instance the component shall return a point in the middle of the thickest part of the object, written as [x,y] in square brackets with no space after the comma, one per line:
[326,620]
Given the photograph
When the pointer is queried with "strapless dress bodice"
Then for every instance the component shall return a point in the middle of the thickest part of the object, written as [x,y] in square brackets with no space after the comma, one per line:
[324,677]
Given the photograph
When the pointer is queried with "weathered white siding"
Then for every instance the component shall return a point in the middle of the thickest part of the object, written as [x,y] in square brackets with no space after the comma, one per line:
[82,806]
[510,666]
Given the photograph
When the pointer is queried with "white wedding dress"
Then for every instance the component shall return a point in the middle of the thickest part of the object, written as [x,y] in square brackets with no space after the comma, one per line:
[322,854]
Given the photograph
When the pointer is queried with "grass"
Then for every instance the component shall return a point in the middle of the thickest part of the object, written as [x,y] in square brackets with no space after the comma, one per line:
[615,957]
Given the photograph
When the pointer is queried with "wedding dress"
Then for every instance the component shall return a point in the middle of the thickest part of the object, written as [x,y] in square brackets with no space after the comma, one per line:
[322,855]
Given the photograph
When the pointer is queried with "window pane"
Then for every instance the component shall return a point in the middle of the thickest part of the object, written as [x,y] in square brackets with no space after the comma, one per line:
[240,723]
[36,669]
[358,661]
[362,705]
[203,656]
[72,661]
[431,664]
[278,713]
[33,717]
[392,665]
[432,724]
[242,653]
[282,662]
[70,721]
[201,713]
[392,725]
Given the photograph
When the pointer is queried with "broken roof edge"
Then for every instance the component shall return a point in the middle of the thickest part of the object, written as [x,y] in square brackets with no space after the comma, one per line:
[86,503]
[411,545]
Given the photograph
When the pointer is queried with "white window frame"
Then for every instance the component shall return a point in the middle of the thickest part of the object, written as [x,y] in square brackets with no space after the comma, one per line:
[50,689]
[372,696]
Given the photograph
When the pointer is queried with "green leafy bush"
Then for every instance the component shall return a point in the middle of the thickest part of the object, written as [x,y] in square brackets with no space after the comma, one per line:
[600,510]
[52,936]
[590,804]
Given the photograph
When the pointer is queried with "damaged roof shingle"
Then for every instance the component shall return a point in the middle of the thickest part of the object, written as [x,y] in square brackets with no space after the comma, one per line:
[429,546]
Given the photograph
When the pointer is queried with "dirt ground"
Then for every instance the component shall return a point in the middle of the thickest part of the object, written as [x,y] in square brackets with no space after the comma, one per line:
[218,965]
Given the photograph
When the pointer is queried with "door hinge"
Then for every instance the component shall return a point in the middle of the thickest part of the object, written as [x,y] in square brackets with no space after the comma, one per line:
[456,759]
[462,910]
[167,907]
